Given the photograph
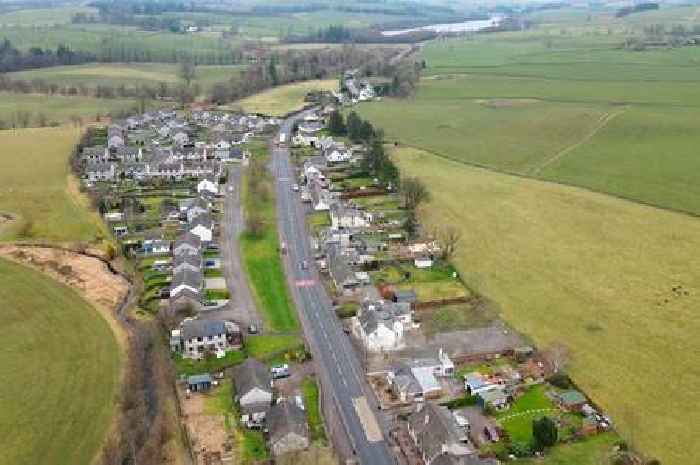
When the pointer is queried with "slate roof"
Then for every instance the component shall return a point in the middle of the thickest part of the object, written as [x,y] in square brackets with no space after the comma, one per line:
[251,374]
[202,328]
[285,418]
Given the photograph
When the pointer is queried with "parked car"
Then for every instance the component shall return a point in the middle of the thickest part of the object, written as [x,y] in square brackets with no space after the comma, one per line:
[295,187]
[304,265]
[280,371]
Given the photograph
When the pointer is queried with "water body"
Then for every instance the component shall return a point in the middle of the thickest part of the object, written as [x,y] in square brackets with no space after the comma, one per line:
[447,28]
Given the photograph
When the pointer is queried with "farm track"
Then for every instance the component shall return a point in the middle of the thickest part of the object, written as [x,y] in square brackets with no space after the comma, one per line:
[602,123]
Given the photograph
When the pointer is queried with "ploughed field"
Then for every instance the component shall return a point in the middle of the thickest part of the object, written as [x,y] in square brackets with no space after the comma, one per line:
[61,365]
[609,278]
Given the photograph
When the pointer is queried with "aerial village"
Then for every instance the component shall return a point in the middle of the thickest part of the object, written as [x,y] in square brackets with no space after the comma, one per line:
[453,383]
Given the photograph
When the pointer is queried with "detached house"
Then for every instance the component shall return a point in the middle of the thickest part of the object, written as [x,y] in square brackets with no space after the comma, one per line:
[287,428]
[195,338]
[100,171]
[436,433]
[208,184]
[253,385]
[348,217]
[381,325]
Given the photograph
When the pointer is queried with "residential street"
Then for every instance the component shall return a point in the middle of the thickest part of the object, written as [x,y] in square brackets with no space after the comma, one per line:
[241,307]
[339,368]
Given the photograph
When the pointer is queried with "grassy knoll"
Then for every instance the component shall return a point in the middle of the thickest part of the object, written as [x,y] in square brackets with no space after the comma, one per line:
[62,364]
[281,100]
[261,255]
[596,273]
[36,187]
[126,74]
[57,108]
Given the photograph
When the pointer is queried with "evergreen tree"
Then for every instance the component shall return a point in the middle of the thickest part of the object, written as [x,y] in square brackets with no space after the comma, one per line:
[336,124]
[544,432]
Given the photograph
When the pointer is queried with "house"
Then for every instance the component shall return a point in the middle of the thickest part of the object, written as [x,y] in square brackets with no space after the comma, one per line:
[101,171]
[187,244]
[435,432]
[417,380]
[571,400]
[197,337]
[187,262]
[197,207]
[181,138]
[116,136]
[186,290]
[253,384]
[155,247]
[348,217]
[475,382]
[95,154]
[381,325]
[208,184]
[126,154]
[287,428]
[337,153]
[340,271]
[198,383]
[203,227]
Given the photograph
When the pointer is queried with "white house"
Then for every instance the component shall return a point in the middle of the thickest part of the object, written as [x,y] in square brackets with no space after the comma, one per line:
[208,185]
[203,228]
[348,217]
[196,337]
[381,325]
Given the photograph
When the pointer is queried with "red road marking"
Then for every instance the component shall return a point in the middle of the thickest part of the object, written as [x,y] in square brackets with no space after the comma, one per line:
[305,283]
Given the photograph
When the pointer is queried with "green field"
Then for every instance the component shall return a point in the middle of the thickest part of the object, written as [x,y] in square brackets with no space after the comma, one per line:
[61,365]
[58,109]
[42,16]
[281,100]
[596,273]
[37,188]
[126,74]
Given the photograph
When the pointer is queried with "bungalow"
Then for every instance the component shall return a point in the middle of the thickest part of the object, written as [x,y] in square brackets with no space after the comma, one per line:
[436,433]
[253,392]
[287,428]
[208,184]
[198,383]
[495,397]
[195,338]
[417,380]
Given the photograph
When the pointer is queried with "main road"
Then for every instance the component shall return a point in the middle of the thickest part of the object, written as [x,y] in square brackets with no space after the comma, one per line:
[341,373]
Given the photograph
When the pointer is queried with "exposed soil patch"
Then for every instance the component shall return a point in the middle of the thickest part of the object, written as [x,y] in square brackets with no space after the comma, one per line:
[507,102]
[207,432]
[87,275]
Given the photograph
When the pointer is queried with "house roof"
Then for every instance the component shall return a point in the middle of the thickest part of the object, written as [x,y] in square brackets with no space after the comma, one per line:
[189,239]
[435,426]
[407,295]
[251,374]
[286,418]
[202,328]
[187,277]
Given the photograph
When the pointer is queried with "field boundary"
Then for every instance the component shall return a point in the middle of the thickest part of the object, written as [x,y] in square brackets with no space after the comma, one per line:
[602,123]
[548,181]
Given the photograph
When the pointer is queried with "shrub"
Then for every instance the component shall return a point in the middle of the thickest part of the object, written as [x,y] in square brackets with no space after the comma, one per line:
[544,432]
[560,380]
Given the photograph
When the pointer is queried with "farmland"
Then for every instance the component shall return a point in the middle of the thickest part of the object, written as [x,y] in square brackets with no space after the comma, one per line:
[64,365]
[281,100]
[126,74]
[578,110]
[56,108]
[38,190]
[607,277]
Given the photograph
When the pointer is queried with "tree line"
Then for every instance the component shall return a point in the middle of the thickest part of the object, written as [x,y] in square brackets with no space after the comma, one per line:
[12,59]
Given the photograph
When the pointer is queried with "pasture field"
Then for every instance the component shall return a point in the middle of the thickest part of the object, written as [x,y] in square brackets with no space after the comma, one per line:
[58,108]
[62,365]
[42,16]
[36,187]
[575,108]
[126,74]
[609,278]
[281,100]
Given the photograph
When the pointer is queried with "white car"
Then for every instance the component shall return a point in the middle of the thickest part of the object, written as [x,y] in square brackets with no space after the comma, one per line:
[295,187]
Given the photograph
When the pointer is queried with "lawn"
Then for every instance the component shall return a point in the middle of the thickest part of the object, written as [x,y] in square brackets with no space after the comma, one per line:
[517,420]
[57,108]
[263,264]
[281,100]
[598,274]
[313,412]
[62,364]
[127,74]
[591,451]
[272,347]
[35,186]
[186,366]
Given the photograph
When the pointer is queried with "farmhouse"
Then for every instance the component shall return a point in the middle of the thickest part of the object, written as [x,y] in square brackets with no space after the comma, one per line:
[253,384]
[287,428]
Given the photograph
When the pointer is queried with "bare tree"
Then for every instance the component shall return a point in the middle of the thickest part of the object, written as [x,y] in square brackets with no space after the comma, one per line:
[413,192]
[449,239]
[557,355]
[187,71]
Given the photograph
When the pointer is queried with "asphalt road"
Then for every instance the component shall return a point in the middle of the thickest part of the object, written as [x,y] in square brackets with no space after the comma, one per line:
[331,348]
[241,308]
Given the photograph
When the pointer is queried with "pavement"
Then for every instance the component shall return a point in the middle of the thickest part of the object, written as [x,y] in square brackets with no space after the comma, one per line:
[337,362]
[241,308]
